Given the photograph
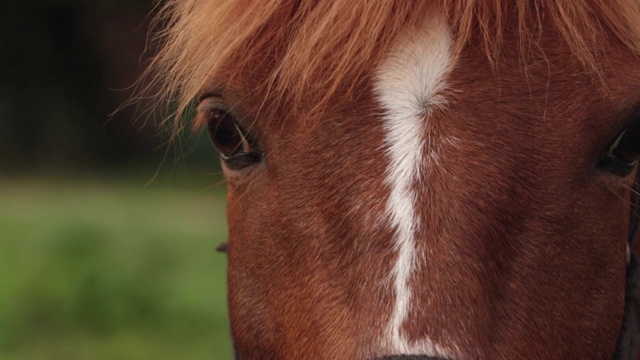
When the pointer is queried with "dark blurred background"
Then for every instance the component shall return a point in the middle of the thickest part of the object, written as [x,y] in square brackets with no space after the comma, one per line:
[107,233]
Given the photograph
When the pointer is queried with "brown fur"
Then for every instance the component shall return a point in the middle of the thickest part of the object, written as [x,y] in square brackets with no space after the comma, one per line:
[522,243]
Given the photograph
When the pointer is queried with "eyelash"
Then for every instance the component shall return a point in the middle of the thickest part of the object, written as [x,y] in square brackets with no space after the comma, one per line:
[621,156]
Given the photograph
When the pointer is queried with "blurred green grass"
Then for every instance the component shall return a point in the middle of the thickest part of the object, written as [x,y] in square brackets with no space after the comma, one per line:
[102,269]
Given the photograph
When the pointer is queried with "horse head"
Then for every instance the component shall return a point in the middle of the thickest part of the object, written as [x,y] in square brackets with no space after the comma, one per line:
[424,178]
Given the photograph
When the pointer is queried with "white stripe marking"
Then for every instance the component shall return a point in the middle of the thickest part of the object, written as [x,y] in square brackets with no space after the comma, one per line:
[409,84]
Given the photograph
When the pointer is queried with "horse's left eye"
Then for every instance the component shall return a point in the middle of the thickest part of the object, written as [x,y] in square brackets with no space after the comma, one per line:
[236,147]
[623,153]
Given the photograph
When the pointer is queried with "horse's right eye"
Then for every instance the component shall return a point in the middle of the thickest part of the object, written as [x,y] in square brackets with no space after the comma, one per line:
[623,154]
[236,147]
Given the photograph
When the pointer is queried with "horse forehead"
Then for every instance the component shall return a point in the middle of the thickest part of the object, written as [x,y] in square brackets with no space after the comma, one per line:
[410,81]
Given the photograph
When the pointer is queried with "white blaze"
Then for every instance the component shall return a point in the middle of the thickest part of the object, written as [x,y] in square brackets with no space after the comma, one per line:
[409,84]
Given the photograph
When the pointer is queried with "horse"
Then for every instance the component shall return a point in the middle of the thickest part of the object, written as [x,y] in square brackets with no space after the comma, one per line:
[419,179]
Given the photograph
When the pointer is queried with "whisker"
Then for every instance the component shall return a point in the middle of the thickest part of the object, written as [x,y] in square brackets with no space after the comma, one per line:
[220,183]
[633,190]
[634,207]
[626,201]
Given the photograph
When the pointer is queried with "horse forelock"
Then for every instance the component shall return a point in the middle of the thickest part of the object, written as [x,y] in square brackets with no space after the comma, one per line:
[322,49]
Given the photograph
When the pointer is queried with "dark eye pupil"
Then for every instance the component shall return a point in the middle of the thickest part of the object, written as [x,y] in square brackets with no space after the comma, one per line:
[226,136]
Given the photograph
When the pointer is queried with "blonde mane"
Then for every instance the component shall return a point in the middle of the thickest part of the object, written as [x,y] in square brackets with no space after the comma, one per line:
[327,47]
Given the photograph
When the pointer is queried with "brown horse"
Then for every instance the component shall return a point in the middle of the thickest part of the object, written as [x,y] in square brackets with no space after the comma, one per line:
[444,178]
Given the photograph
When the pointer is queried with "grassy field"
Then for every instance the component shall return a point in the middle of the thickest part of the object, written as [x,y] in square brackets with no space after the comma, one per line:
[101,269]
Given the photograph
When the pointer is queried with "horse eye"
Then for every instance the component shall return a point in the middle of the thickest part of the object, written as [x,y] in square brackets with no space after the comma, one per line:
[236,148]
[623,153]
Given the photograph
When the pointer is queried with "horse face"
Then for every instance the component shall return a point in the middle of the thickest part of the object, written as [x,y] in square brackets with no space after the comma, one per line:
[444,211]
[445,203]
